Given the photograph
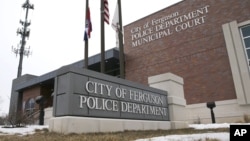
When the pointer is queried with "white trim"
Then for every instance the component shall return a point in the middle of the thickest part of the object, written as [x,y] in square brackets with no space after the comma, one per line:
[238,61]
[243,23]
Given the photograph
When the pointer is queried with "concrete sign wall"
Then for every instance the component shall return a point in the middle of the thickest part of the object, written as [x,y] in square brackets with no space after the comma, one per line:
[84,93]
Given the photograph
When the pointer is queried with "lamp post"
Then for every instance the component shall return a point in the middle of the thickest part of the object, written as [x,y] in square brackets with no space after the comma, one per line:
[211,105]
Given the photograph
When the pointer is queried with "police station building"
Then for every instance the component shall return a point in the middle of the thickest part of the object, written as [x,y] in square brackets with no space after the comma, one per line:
[201,46]
[207,43]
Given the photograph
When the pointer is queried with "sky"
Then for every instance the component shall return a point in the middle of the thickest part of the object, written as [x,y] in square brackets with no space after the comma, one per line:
[56,37]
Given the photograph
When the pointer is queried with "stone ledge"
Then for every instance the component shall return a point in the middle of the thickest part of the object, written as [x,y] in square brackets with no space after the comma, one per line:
[165,77]
[172,100]
[70,124]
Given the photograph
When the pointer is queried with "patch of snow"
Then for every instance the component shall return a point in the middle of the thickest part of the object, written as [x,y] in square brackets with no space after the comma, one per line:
[223,136]
[209,126]
[21,131]
[215,125]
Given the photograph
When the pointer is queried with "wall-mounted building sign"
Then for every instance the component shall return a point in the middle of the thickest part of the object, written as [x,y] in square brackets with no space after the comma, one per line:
[167,25]
[86,93]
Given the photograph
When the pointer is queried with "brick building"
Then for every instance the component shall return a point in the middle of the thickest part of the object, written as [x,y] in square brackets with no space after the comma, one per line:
[207,43]
[187,39]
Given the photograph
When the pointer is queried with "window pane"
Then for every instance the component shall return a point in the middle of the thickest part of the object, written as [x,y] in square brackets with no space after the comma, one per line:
[32,103]
[248,53]
[246,31]
[27,104]
[247,42]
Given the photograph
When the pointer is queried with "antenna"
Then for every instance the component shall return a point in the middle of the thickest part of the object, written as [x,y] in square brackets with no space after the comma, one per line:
[24,32]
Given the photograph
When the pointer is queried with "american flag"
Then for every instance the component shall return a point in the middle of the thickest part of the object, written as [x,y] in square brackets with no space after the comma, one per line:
[106,11]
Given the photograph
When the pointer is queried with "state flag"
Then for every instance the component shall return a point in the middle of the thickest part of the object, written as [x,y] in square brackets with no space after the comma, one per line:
[88,26]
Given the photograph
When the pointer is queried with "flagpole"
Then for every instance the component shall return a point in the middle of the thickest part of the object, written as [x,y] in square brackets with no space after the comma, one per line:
[120,34]
[86,56]
[102,39]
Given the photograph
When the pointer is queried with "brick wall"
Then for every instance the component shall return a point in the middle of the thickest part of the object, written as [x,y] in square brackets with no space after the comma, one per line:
[198,54]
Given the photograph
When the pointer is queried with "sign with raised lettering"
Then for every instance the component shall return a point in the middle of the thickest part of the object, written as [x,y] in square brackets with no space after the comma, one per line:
[167,25]
[91,94]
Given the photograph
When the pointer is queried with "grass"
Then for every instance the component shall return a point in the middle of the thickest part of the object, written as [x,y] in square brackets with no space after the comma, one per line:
[44,135]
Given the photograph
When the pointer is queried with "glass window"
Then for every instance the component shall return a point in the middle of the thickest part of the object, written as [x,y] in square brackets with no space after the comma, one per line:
[247,42]
[245,33]
[248,53]
[23,106]
[30,106]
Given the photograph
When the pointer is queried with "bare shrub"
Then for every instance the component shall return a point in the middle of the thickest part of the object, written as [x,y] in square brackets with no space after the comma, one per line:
[198,120]
[1,120]
[246,118]
[19,119]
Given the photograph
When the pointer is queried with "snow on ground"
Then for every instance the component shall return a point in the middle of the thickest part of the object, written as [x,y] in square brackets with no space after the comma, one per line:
[192,137]
[223,136]
[209,126]
[213,126]
[21,131]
